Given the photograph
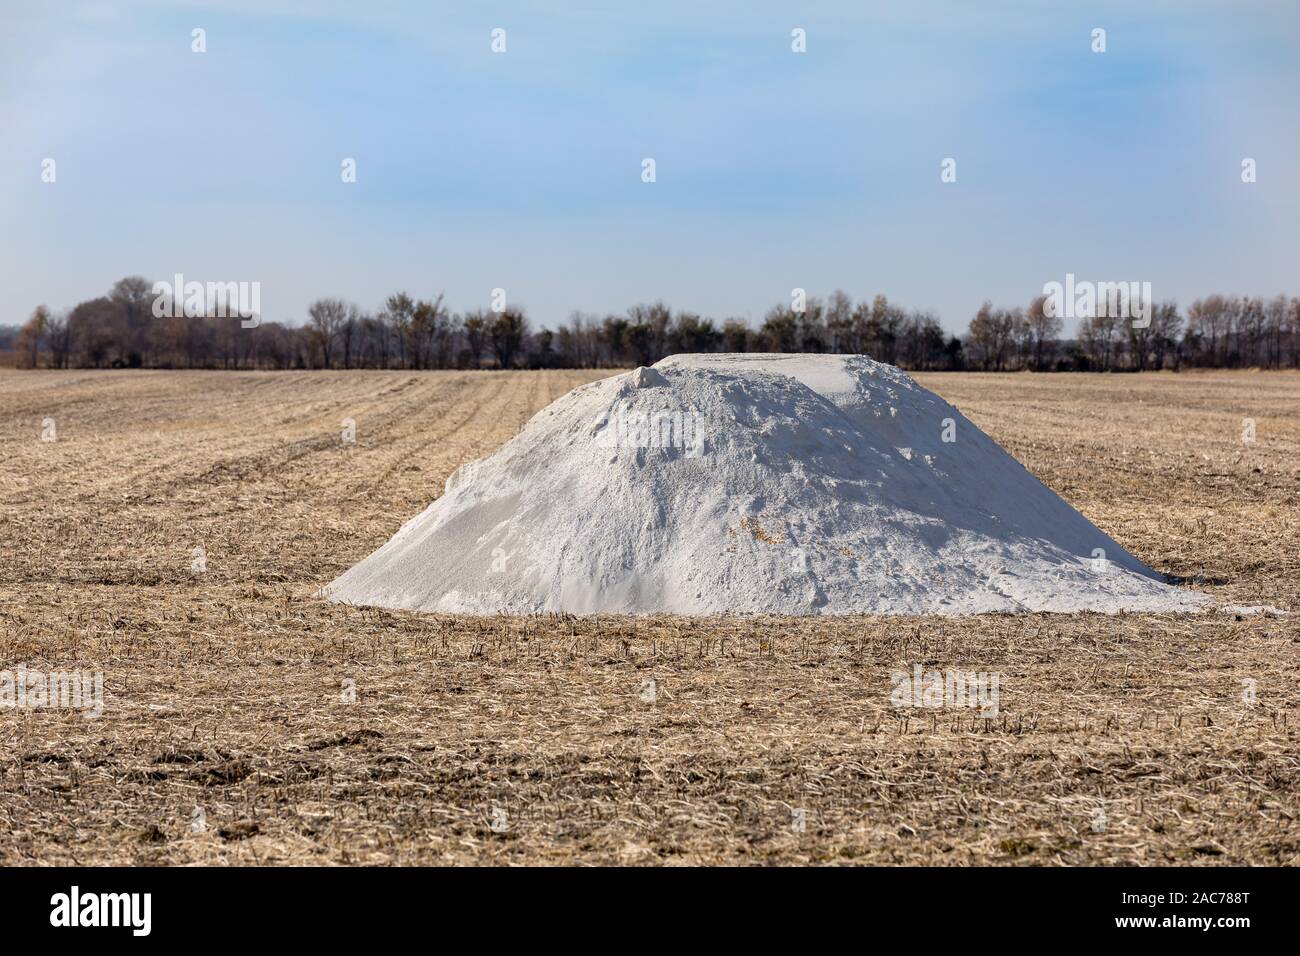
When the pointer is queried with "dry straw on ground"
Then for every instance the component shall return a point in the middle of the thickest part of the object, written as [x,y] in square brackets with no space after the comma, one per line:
[1119,740]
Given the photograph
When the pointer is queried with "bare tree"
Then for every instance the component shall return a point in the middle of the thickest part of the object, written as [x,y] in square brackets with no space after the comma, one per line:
[780,329]
[32,335]
[1210,320]
[1098,335]
[119,329]
[509,329]
[1166,329]
[990,334]
[839,323]
[398,311]
[326,320]
[1044,330]
[429,322]
[477,328]
[60,340]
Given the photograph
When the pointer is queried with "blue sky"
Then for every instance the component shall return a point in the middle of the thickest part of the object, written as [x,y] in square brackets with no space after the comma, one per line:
[522,170]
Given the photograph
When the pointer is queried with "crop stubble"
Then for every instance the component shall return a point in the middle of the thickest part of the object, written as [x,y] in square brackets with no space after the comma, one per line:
[1120,739]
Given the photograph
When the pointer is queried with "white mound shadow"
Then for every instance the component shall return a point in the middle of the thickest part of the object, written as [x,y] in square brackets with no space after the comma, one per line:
[737,484]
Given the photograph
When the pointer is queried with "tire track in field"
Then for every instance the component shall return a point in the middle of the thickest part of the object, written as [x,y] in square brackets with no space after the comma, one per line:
[223,506]
[502,388]
[273,462]
[523,403]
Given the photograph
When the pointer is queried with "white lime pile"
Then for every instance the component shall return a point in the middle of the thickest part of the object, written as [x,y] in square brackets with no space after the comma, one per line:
[786,484]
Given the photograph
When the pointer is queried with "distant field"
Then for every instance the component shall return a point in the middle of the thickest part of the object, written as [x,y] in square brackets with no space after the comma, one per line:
[1120,740]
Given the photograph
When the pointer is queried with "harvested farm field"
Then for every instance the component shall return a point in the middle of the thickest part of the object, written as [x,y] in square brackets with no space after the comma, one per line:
[172,530]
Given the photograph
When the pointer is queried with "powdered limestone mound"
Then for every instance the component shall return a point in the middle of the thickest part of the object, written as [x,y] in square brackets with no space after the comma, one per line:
[788,484]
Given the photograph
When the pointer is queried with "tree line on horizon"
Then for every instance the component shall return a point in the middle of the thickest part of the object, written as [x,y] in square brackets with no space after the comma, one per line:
[120,330]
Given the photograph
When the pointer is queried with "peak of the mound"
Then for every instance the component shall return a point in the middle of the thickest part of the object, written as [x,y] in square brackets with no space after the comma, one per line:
[753,483]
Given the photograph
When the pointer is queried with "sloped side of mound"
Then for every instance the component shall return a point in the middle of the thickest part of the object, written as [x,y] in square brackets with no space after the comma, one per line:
[748,484]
